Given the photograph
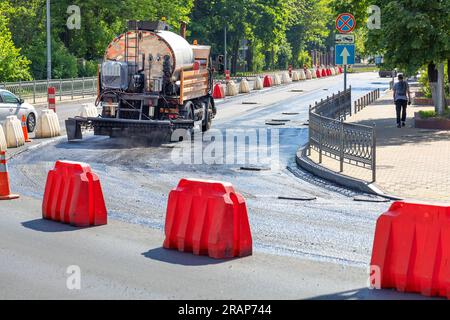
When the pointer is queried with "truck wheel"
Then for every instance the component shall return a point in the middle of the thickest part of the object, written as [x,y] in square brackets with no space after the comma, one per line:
[209,115]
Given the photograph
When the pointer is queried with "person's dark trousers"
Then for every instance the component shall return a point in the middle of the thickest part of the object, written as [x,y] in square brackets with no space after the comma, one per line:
[400,106]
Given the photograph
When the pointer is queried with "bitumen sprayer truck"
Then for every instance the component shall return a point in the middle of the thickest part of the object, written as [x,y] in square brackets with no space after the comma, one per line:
[151,83]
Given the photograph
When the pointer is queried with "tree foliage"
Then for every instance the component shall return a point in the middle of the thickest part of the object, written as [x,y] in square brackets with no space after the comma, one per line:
[276,32]
[13,65]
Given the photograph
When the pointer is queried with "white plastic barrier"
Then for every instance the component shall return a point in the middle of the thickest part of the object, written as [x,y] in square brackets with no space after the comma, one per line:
[88,111]
[295,76]
[244,86]
[333,72]
[231,89]
[302,75]
[276,80]
[313,73]
[336,70]
[308,74]
[286,78]
[48,125]
[258,85]
[13,132]
[3,143]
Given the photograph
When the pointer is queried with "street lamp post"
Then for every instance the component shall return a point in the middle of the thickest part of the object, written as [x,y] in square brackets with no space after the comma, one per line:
[49,43]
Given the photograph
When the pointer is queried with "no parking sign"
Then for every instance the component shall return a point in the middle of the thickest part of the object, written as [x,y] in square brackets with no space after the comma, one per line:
[345,23]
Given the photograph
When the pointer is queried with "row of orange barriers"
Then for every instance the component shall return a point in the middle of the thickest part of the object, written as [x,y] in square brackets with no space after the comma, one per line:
[203,217]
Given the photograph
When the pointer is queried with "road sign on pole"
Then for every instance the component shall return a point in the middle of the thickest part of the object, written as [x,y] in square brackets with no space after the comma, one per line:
[345,54]
[345,23]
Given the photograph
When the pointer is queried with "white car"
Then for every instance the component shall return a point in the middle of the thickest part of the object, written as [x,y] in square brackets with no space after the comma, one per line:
[10,105]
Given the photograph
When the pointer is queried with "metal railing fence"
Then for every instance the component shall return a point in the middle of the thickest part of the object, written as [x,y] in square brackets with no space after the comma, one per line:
[329,135]
[65,88]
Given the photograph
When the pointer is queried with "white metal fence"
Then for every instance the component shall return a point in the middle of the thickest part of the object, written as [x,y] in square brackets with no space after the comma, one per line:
[36,91]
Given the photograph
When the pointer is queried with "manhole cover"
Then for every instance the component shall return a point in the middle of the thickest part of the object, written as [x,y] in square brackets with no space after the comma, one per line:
[298,198]
[254,168]
[281,120]
[274,123]
[370,199]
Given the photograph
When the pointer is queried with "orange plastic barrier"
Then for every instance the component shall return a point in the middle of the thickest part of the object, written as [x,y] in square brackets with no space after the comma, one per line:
[268,82]
[411,249]
[73,195]
[219,91]
[207,218]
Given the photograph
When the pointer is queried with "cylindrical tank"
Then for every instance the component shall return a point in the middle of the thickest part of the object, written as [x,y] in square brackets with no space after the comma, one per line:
[157,46]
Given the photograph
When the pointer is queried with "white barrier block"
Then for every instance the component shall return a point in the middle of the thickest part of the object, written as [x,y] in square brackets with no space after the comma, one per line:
[258,85]
[244,86]
[88,111]
[13,132]
[286,78]
[313,73]
[276,80]
[3,143]
[308,74]
[295,76]
[333,72]
[231,89]
[48,125]
[302,75]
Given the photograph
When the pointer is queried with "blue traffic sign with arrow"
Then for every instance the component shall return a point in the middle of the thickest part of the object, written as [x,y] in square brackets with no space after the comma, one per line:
[345,54]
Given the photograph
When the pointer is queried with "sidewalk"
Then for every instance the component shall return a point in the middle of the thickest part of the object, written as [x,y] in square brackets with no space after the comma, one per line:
[411,163]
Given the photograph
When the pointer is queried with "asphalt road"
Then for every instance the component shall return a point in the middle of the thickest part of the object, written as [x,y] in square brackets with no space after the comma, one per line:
[302,249]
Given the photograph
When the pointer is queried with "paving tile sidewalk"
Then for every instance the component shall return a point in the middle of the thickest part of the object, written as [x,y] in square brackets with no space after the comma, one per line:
[411,163]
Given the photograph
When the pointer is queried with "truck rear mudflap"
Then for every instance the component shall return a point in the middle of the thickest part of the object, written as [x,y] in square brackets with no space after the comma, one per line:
[161,129]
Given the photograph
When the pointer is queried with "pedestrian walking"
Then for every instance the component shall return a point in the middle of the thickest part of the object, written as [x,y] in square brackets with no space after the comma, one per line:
[402,98]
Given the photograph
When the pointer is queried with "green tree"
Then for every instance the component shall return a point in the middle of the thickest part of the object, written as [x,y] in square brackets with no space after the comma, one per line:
[13,66]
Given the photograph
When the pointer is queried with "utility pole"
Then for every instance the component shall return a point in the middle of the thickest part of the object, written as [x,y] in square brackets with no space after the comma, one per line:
[225,46]
[49,43]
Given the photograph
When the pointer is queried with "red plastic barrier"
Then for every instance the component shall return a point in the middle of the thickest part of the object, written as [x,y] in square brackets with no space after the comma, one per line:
[318,74]
[324,73]
[328,72]
[73,195]
[207,218]
[411,250]
[219,91]
[340,70]
[268,82]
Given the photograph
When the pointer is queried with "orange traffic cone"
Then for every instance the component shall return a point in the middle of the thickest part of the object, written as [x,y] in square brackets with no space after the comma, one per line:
[5,192]
[25,129]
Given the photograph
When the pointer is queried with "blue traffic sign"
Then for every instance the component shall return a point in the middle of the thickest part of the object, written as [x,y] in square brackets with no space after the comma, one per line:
[345,54]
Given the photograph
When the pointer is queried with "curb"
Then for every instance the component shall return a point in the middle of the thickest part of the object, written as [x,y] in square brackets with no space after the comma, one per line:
[310,166]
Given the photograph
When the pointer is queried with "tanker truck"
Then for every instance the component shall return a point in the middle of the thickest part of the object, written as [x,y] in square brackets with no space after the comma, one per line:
[151,82]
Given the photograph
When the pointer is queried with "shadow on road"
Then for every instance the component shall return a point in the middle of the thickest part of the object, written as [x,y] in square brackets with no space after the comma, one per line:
[372,294]
[43,225]
[181,258]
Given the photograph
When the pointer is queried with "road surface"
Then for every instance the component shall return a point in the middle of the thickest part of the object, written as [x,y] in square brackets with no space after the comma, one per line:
[302,249]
